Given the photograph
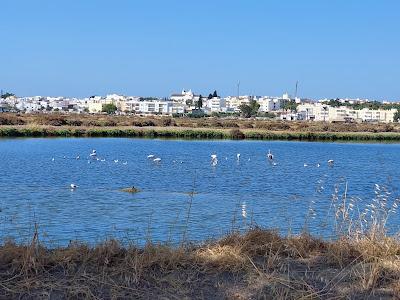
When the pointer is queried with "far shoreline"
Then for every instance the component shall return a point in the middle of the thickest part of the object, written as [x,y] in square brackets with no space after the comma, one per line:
[198,133]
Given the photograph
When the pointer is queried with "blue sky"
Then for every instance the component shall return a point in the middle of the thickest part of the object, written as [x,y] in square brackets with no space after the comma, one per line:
[335,48]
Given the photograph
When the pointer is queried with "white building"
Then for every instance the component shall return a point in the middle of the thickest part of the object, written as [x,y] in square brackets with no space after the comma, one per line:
[153,107]
[232,103]
[182,97]
[215,104]
[323,112]
[268,104]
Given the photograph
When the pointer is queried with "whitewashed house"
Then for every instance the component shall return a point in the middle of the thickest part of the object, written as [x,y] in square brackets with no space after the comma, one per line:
[182,97]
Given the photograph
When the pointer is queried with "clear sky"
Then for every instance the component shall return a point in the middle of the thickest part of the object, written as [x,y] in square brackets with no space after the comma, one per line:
[334,48]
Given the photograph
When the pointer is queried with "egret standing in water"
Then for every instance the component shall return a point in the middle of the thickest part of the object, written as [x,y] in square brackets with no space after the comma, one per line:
[73,186]
[238,156]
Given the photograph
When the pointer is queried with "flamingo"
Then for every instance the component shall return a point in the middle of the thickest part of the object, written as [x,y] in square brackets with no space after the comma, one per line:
[214,159]
[270,155]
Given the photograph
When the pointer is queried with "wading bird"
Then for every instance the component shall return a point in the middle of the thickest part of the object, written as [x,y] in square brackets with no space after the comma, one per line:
[270,155]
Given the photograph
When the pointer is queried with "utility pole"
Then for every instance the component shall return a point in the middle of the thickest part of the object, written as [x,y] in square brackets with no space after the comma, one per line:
[295,92]
[238,89]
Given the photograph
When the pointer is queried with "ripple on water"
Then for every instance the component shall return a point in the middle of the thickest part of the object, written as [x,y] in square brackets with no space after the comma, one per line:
[35,189]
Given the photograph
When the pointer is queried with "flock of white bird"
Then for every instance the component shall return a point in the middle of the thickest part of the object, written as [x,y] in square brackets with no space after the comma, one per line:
[270,156]
[214,161]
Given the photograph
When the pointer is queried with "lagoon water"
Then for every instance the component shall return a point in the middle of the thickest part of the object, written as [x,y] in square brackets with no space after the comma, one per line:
[231,195]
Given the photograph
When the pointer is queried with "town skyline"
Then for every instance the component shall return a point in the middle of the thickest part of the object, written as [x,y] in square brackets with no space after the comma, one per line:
[205,95]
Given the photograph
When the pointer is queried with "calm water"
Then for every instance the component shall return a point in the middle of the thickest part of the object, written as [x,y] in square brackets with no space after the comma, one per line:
[35,189]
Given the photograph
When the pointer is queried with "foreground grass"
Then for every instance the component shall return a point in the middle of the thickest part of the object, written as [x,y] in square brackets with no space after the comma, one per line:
[259,264]
[192,133]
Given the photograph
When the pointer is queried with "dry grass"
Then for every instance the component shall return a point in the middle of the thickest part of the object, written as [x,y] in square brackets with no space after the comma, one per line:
[67,125]
[259,264]
[77,120]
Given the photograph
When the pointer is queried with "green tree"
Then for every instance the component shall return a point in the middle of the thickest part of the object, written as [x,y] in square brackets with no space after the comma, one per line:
[6,95]
[396,116]
[109,108]
[251,109]
[200,102]
[290,105]
[215,94]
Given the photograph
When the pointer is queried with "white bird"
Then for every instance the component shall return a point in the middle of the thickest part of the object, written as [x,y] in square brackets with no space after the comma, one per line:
[78,157]
[238,156]
[150,156]
[274,164]
[244,212]
[270,155]
[53,159]
[330,162]
[305,165]
[94,153]
[214,159]
[103,159]
[115,160]
[73,186]
[318,165]
[125,163]
[157,159]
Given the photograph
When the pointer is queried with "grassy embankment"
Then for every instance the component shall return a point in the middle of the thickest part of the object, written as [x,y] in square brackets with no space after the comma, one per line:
[12,125]
[257,265]
[362,263]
